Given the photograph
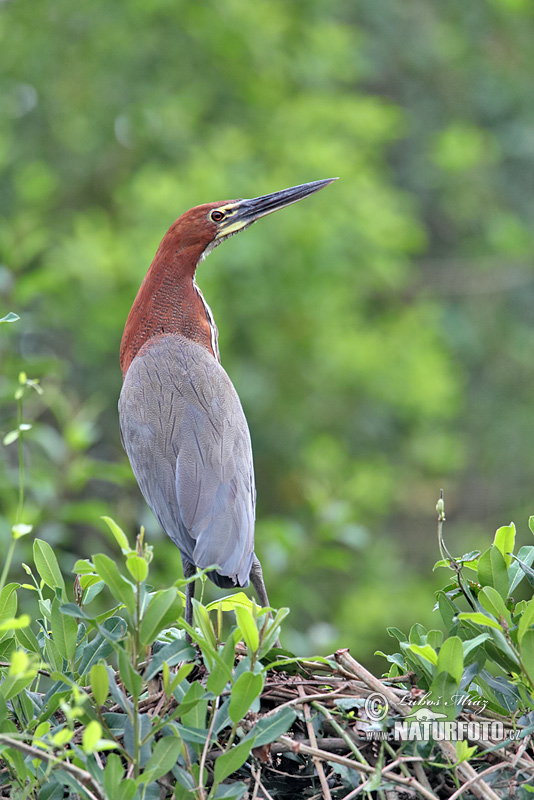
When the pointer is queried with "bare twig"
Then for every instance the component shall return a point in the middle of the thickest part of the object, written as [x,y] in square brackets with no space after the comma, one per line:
[313,740]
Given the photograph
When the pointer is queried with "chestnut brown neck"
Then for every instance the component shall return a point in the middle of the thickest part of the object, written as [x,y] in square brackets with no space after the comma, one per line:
[169,302]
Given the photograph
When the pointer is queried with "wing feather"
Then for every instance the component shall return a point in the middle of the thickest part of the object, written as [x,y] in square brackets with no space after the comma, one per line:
[185,433]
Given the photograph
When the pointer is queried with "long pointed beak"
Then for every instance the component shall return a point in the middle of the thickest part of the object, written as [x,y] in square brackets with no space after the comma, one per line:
[243,213]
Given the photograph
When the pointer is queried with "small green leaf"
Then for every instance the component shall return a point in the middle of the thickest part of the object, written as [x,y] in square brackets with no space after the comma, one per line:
[231,602]
[221,672]
[194,706]
[526,556]
[131,679]
[11,437]
[47,566]
[15,623]
[526,621]
[163,610]
[119,587]
[137,567]
[492,571]
[245,690]
[8,601]
[83,567]
[479,618]
[492,601]
[451,658]
[425,651]
[464,752]
[227,763]
[10,317]
[118,533]
[201,620]
[164,756]
[27,639]
[64,631]
[20,530]
[504,540]
[248,628]
[527,655]
[113,774]
[170,654]
[91,736]
[99,682]
[269,728]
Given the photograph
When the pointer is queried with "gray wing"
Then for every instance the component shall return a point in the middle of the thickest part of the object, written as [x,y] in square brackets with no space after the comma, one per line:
[185,433]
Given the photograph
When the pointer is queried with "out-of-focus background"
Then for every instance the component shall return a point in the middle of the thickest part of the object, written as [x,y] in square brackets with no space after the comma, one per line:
[379,333]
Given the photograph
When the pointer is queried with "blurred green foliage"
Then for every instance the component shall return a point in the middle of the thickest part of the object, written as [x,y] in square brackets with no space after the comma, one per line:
[379,334]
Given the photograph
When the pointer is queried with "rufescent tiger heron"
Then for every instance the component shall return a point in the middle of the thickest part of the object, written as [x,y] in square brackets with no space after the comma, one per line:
[181,421]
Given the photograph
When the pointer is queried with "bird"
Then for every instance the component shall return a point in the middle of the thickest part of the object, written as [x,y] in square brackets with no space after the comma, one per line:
[181,421]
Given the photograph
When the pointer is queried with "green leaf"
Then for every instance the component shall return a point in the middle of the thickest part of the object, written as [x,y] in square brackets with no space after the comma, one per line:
[221,672]
[27,639]
[231,602]
[269,728]
[64,631]
[248,628]
[131,679]
[194,706]
[83,567]
[163,610]
[113,774]
[137,567]
[47,566]
[516,574]
[99,682]
[170,654]
[119,587]
[11,437]
[492,601]
[10,317]
[526,621]
[451,658]
[101,646]
[164,756]
[492,571]
[504,540]
[15,623]
[527,655]
[448,610]
[442,690]
[464,752]
[118,533]
[8,601]
[20,530]
[245,690]
[201,620]
[227,763]
[91,736]
[472,644]
[425,651]
[479,618]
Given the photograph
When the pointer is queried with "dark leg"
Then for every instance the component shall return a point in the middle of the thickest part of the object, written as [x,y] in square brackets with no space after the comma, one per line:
[256,577]
[189,571]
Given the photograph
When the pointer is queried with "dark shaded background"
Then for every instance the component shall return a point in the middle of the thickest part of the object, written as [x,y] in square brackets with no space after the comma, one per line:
[379,334]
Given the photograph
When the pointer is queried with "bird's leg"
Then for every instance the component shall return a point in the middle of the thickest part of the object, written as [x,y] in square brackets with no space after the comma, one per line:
[189,570]
[256,577]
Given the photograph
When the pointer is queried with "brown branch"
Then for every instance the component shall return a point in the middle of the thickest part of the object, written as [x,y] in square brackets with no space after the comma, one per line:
[313,740]
[35,752]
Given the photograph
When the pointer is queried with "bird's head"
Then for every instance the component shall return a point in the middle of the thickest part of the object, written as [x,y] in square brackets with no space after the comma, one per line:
[206,226]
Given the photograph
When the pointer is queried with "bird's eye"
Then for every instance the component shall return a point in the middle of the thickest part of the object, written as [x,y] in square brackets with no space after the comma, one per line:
[217,216]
